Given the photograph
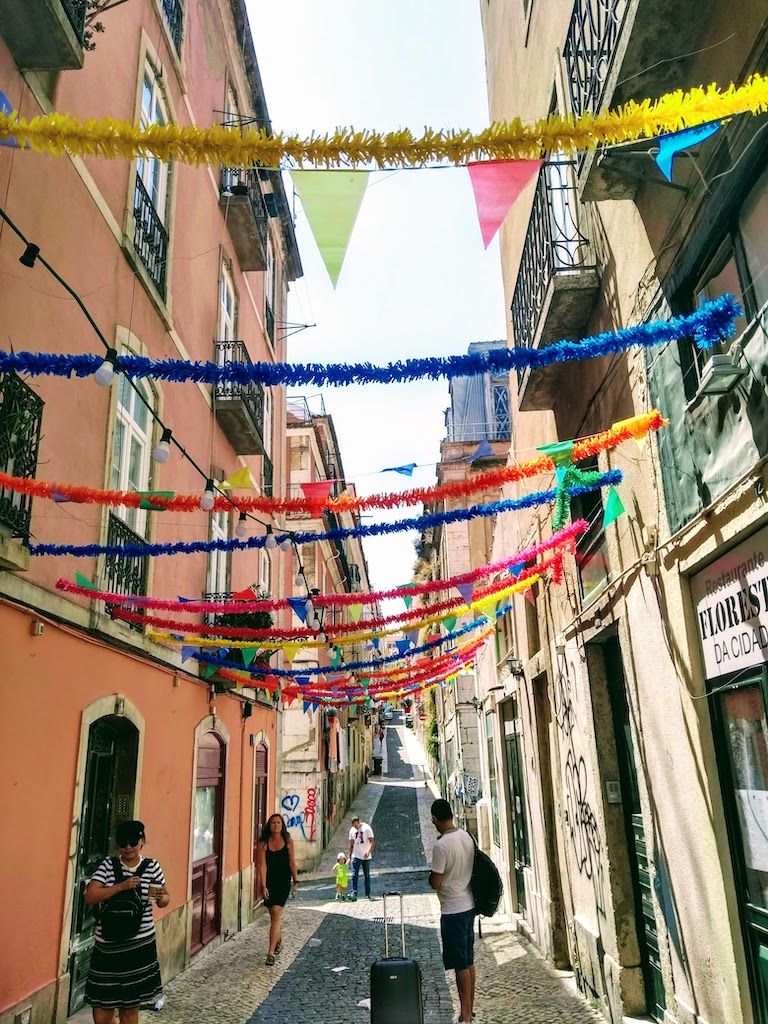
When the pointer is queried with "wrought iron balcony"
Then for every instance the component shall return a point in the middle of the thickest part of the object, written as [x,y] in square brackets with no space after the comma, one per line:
[44,35]
[267,475]
[246,213]
[211,618]
[617,50]
[125,574]
[150,239]
[557,281]
[174,16]
[239,407]
[21,415]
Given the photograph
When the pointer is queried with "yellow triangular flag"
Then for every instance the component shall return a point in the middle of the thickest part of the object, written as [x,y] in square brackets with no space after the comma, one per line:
[241,479]
[355,612]
[640,441]
[290,651]
[331,201]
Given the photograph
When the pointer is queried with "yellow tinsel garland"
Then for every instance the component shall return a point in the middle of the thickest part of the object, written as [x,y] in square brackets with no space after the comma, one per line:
[60,133]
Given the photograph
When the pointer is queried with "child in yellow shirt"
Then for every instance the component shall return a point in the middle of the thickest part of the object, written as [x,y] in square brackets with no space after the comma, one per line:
[342,877]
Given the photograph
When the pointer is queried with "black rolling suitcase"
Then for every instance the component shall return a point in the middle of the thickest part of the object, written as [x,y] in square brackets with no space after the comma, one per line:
[396,982]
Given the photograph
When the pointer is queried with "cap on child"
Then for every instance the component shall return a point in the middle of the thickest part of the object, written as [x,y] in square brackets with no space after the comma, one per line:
[342,856]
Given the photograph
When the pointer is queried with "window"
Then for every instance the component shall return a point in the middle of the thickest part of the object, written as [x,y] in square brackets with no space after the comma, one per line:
[270,287]
[150,237]
[591,547]
[227,306]
[265,572]
[268,422]
[501,422]
[153,172]
[493,786]
[218,561]
[131,450]
[738,266]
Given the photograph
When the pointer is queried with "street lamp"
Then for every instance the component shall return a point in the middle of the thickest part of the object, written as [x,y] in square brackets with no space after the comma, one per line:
[721,375]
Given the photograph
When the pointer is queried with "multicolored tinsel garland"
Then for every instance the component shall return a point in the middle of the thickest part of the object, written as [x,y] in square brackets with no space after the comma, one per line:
[346,147]
[710,323]
[590,481]
[585,448]
[565,538]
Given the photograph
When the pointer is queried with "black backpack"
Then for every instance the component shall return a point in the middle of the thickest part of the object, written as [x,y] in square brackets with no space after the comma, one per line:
[485,883]
[121,914]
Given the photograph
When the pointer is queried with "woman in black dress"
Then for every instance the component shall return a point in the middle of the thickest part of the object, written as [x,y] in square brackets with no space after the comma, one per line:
[277,866]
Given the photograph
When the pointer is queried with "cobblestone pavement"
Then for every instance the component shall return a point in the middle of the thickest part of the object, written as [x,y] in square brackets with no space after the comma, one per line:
[232,985]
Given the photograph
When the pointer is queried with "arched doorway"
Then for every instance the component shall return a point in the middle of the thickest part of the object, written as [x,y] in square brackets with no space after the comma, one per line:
[108,798]
[207,832]
[260,790]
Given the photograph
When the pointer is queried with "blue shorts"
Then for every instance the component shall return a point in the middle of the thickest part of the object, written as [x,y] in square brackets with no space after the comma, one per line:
[458,934]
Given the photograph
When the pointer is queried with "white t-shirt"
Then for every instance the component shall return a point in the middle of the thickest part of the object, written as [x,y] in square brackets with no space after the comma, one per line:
[452,857]
[153,874]
[360,836]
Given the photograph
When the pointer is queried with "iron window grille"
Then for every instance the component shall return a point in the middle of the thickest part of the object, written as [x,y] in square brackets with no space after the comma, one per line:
[556,244]
[590,50]
[150,239]
[76,13]
[21,415]
[125,574]
[174,16]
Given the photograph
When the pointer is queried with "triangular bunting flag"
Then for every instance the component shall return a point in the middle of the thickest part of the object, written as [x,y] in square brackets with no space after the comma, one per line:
[466,590]
[290,651]
[302,680]
[83,581]
[530,597]
[6,107]
[670,145]
[187,652]
[483,451]
[245,595]
[561,453]
[405,470]
[307,705]
[402,645]
[408,601]
[497,185]
[318,491]
[335,655]
[412,636]
[149,505]
[450,622]
[331,202]
[515,570]
[211,670]
[249,653]
[613,507]
[241,479]
[640,434]
[299,605]
[355,612]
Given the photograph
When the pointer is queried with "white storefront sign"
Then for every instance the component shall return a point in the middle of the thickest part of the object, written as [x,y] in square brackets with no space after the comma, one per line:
[731,600]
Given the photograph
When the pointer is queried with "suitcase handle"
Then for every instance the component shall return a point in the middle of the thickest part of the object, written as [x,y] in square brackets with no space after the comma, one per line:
[402,923]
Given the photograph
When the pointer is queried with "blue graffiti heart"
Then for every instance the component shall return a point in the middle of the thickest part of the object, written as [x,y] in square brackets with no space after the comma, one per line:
[290,803]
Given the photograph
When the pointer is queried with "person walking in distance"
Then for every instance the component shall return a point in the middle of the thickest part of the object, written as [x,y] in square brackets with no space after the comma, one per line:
[342,876]
[451,871]
[277,865]
[360,852]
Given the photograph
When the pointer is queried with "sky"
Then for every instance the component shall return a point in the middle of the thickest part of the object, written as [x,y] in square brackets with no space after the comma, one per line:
[416,280]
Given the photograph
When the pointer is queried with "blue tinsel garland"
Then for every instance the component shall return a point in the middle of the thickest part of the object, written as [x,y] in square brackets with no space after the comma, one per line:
[710,323]
[591,482]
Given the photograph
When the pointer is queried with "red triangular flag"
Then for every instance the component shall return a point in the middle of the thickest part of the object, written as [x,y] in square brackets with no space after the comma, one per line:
[318,491]
[245,595]
[497,184]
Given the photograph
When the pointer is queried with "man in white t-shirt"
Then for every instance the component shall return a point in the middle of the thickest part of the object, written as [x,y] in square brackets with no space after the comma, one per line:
[451,871]
[360,853]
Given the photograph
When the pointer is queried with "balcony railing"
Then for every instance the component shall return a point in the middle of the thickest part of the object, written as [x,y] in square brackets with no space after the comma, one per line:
[125,574]
[44,36]
[174,15]
[268,475]
[590,50]
[76,13]
[150,239]
[210,618]
[239,407]
[21,415]
[247,216]
[557,280]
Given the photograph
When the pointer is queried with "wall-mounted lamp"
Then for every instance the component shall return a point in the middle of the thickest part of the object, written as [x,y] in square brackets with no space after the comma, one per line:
[516,666]
[721,375]
[560,643]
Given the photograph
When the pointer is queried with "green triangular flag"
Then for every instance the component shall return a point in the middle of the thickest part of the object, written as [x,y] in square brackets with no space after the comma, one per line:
[83,581]
[408,601]
[355,612]
[561,452]
[331,201]
[150,506]
[613,507]
[211,670]
[335,656]
[450,622]
[249,653]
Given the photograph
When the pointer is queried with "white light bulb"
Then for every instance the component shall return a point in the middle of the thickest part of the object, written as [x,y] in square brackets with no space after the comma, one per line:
[300,581]
[207,501]
[316,623]
[241,530]
[162,453]
[271,541]
[322,637]
[105,374]
[309,607]
[285,544]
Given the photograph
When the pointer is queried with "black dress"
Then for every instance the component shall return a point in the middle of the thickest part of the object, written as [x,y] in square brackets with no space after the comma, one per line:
[278,877]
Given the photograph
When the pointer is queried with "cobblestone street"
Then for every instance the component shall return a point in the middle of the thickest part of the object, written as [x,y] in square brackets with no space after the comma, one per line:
[231,984]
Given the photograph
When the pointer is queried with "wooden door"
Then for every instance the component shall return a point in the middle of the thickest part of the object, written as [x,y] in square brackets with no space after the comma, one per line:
[260,775]
[207,828]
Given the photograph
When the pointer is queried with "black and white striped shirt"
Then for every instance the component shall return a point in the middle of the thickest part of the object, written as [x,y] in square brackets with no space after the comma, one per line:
[153,875]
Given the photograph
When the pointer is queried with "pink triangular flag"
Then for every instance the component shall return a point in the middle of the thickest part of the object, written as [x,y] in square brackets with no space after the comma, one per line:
[497,184]
[318,491]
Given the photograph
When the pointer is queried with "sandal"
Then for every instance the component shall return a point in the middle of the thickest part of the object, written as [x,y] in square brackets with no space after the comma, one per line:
[278,947]
[270,961]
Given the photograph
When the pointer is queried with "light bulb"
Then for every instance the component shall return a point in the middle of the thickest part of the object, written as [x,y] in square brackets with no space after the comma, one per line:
[322,637]
[300,580]
[309,607]
[163,451]
[207,501]
[105,374]
[285,544]
[241,530]
[271,541]
[316,623]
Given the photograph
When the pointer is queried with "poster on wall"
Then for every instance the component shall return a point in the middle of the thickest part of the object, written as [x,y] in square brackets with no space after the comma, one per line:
[731,601]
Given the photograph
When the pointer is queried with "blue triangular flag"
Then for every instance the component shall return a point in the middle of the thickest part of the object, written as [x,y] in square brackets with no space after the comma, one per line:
[402,646]
[670,145]
[412,636]
[375,641]
[187,652]
[302,680]
[515,570]
[6,107]
[405,470]
[307,705]
[299,605]
[466,590]
[483,451]
[186,600]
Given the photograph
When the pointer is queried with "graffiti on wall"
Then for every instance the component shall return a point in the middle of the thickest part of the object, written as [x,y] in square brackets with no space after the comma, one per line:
[580,817]
[296,818]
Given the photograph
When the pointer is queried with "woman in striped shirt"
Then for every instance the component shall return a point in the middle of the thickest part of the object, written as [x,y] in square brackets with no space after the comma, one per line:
[125,973]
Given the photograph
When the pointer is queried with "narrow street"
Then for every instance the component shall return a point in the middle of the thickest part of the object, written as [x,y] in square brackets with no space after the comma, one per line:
[231,984]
